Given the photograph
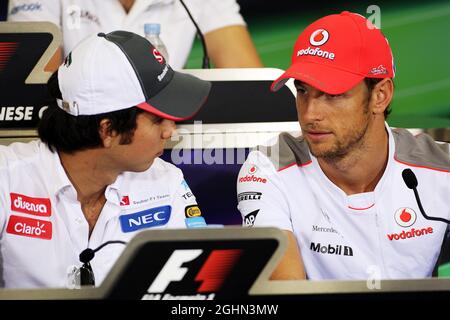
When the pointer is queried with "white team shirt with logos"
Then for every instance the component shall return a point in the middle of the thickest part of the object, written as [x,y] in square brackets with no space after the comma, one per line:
[81,18]
[42,227]
[379,234]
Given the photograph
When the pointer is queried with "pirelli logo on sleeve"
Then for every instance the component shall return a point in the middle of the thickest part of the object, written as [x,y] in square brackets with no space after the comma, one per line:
[244,196]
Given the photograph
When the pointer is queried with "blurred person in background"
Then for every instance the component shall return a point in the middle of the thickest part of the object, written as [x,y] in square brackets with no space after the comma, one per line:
[227,39]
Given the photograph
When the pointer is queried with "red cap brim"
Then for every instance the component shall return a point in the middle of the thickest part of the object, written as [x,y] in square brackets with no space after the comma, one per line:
[322,77]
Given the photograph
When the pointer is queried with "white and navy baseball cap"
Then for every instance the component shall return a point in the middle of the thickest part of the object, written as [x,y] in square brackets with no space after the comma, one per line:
[119,70]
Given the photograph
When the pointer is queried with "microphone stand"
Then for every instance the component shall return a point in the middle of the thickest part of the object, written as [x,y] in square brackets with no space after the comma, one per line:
[205,63]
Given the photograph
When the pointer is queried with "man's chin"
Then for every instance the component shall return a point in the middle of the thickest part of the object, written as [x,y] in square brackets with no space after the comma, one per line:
[143,167]
[317,149]
[321,151]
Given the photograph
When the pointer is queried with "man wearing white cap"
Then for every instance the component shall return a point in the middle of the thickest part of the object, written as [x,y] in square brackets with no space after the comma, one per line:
[341,191]
[95,175]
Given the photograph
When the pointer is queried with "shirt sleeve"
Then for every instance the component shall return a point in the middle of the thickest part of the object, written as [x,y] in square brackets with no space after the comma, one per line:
[30,10]
[4,187]
[185,210]
[3,209]
[261,198]
[217,14]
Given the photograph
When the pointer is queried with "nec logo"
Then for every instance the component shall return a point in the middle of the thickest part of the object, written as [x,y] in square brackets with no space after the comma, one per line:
[149,218]
[212,274]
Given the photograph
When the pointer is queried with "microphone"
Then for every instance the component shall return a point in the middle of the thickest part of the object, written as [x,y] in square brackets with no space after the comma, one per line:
[87,277]
[205,64]
[410,180]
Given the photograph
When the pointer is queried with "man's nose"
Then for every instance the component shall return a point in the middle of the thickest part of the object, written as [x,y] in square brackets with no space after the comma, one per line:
[311,109]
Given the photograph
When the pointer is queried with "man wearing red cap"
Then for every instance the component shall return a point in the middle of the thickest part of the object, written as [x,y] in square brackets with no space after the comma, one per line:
[338,190]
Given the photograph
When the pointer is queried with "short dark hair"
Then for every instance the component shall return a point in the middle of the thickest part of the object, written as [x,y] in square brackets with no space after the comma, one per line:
[371,83]
[64,132]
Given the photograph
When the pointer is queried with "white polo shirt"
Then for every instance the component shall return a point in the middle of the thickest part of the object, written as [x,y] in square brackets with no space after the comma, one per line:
[81,18]
[379,234]
[42,227]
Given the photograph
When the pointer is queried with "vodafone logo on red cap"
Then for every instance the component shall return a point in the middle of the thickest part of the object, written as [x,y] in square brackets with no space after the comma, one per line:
[405,217]
[319,37]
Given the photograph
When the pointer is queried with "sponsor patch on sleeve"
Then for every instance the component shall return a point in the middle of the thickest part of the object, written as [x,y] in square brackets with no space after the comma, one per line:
[195,222]
[192,211]
[186,196]
[244,196]
[253,175]
[250,218]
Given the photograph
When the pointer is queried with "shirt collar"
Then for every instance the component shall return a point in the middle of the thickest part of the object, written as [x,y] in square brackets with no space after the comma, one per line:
[386,174]
[57,178]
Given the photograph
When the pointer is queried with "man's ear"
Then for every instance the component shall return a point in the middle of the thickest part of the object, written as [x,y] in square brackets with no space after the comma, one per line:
[382,95]
[106,134]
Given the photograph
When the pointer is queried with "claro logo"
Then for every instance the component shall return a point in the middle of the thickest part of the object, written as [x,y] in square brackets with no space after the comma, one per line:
[29,227]
[35,206]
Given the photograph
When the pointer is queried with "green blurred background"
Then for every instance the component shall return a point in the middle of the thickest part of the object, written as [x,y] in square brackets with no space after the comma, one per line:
[418,31]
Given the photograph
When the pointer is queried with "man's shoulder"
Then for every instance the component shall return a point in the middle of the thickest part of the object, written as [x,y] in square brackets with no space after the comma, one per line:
[162,166]
[160,170]
[21,154]
[285,151]
[421,150]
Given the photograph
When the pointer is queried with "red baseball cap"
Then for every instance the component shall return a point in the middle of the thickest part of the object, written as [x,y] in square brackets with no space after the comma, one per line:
[336,52]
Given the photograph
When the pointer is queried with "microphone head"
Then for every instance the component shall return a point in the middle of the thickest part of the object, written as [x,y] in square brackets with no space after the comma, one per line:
[87,255]
[410,178]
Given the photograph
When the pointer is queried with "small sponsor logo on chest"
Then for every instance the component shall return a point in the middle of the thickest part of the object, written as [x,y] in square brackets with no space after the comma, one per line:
[138,200]
[149,218]
[324,229]
[331,249]
[406,217]
[29,227]
[35,206]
